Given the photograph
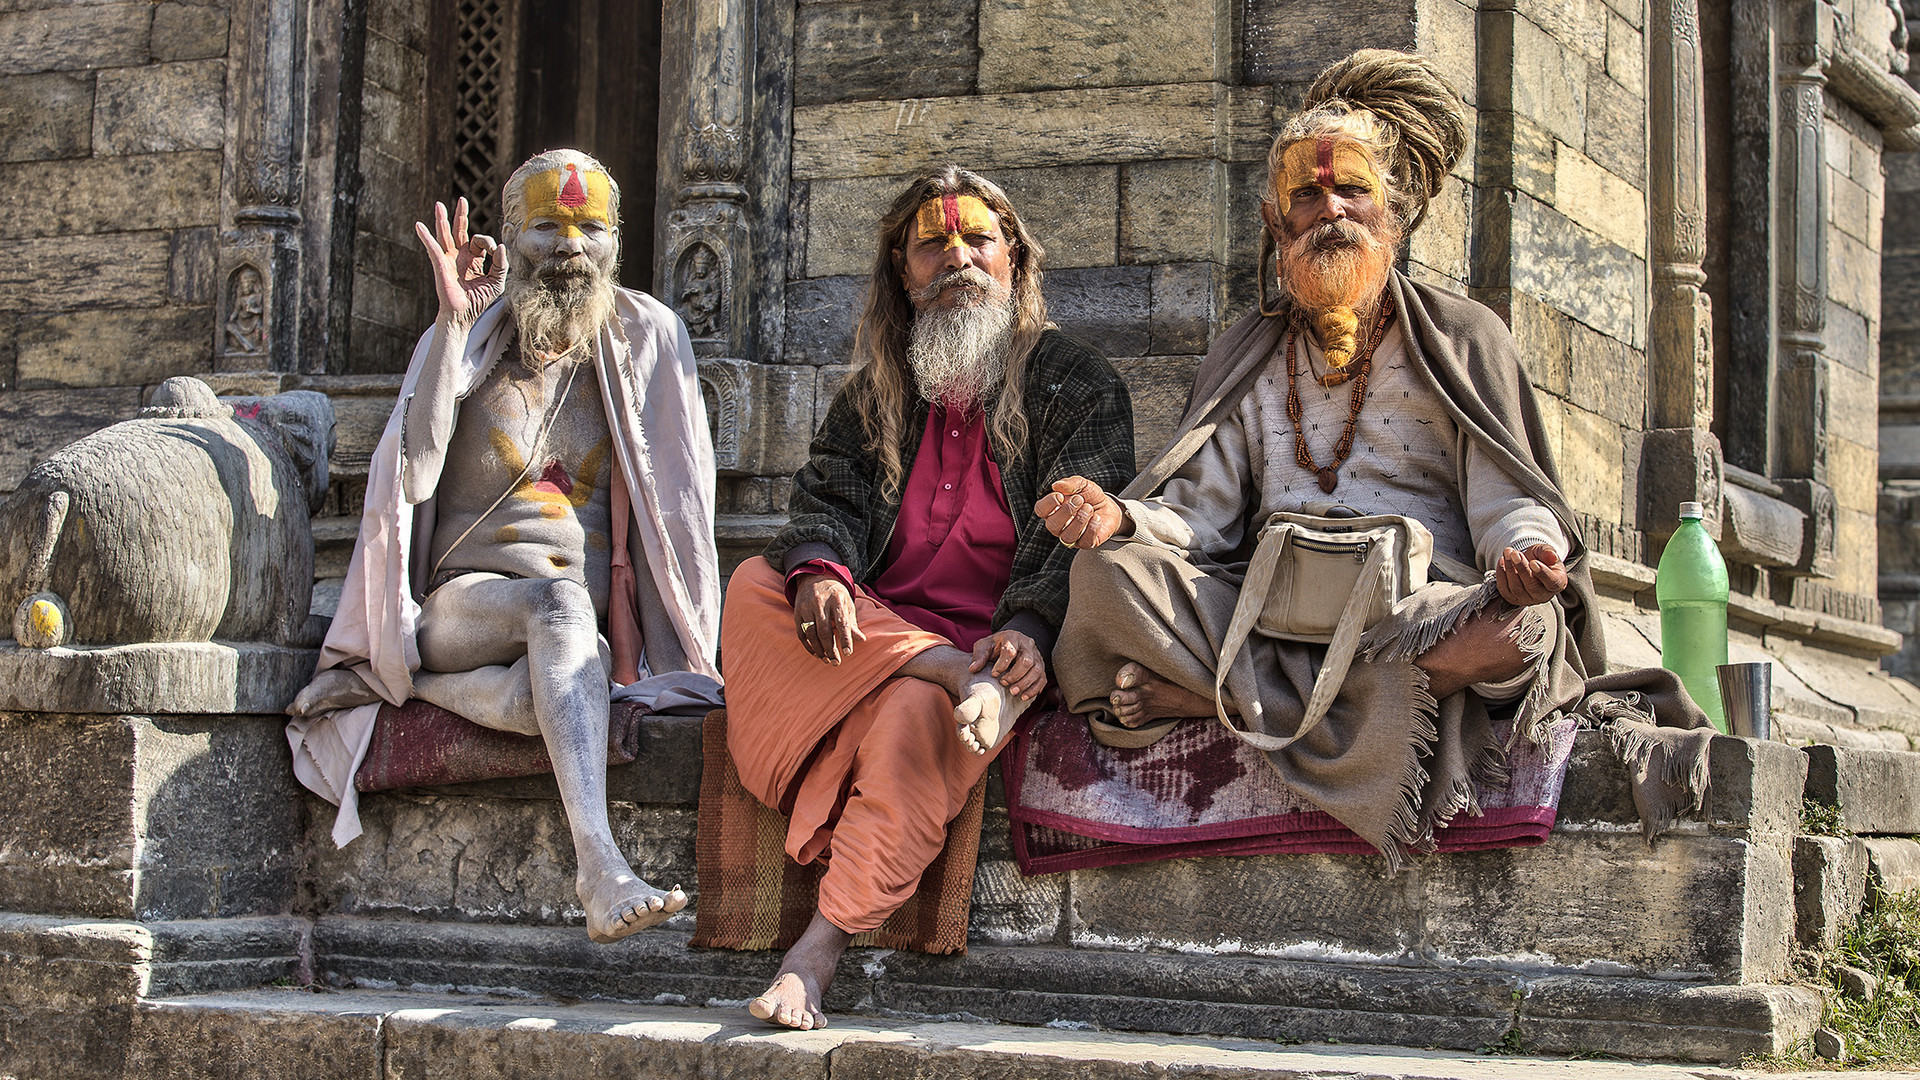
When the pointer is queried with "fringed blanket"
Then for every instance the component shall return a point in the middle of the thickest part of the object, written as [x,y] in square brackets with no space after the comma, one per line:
[419,744]
[1202,791]
[752,896]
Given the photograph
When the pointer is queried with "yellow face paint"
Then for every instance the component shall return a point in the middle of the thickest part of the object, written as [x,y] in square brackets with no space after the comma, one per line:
[569,197]
[1328,163]
[954,217]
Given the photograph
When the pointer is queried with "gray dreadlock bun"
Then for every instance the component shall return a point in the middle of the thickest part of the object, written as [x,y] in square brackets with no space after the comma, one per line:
[1420,127]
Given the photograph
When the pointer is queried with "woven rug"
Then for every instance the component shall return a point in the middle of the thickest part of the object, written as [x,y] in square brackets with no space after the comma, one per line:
[752,896]
[418,745]
[1202,791]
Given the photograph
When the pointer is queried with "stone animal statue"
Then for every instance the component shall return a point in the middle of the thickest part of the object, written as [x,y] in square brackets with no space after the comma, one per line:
[189,523]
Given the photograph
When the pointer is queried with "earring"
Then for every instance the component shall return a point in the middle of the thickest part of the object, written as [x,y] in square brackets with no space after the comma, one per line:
[1269,251]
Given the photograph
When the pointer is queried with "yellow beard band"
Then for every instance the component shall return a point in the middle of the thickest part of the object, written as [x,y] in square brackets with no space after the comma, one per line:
[569,197]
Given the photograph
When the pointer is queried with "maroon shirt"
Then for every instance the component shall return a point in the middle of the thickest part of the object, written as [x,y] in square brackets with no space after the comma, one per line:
[951,553]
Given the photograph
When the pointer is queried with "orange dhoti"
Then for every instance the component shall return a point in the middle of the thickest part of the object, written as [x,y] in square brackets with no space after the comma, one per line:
[866,763]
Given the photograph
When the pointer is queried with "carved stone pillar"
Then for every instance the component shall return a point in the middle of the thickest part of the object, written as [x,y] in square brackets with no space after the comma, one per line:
[1681,460]
[703,260]
[259,267]
[1801,245]
[1680,342]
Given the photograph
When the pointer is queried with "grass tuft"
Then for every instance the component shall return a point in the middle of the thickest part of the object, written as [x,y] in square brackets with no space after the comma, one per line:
[1884,1032]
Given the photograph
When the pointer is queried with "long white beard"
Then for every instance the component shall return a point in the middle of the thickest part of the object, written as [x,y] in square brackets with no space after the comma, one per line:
[555,311]
[959,354]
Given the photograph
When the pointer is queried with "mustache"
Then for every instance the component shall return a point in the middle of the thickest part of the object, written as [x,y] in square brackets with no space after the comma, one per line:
[1329,235]
[971,277]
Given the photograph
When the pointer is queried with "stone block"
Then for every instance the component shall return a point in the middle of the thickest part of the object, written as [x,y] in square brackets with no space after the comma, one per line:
[1893,863]
[1829,887]
[1626,54]
[1446,35]
[111,195]
[154,677]
[188,32]
[114,347]
[1108,307]
[1678,465]
[1577,271]
[1173,211]
[1579,25]
[45,116]
[832,378]
[1442,242]
[77,1044]
[35,423]
[1876,791]
[1599,201]
[1874,699]
[843,217]
[74,38]
[1549,81]
[1853,276]
[1616,129]
[190,266]
[1070,209]
[52,274]
[1584,900]
[1596,791]
[1187,302]
[69,964]
[1055,44]
[1291,43]
[1760,529]
[1847,207]
[1657,1019]
[393,66]
[1158,387]
[1591,454]
[1606,376]
[1031,130]
[1008,907]
[287,1033]
[820,318]
[760,415]
[1529,160]
[467,858]
[874,49]
[149,818]
[1754,786]
[1543,337]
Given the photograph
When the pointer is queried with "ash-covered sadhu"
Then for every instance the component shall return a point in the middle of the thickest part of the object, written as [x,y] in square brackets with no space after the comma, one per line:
[879,653]
[1352,386]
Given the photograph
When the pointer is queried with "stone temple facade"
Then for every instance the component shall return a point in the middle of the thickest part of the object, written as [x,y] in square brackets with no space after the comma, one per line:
[1701,219]
[1679,206]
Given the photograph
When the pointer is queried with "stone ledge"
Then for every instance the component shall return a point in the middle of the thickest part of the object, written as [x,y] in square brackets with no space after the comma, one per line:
[164,678]
[291,1033]
[51,961]
[1236,996]
[1876,791]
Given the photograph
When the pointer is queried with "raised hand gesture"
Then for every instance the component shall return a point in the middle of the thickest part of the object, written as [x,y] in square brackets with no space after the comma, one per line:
[460,263]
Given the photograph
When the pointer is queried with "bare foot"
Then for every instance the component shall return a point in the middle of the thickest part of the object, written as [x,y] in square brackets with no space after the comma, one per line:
[334,688]
[986,713]
[806,972]
[1141,697]
[618,903]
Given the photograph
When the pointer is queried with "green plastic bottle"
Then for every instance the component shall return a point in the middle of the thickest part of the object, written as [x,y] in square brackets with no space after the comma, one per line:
[1691,585]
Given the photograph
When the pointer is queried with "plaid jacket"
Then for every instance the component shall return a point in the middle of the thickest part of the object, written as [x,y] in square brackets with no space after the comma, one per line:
[1080,422]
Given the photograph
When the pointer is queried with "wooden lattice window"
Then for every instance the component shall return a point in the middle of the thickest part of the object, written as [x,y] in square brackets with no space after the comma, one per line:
[485,98]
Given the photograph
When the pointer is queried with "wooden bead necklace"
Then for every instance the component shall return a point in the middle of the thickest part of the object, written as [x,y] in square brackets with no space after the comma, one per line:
[1328,474]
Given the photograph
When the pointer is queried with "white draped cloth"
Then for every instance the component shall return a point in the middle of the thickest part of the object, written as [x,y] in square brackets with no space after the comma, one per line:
[649,383]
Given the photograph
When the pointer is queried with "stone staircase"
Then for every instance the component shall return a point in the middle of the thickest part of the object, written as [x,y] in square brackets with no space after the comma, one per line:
[161,865]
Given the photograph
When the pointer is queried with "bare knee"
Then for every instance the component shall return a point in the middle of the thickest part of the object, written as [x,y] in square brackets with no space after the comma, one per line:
[1481,650]
[563,604]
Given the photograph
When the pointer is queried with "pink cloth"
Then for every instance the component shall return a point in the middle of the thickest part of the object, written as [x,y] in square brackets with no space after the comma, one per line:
[951,554]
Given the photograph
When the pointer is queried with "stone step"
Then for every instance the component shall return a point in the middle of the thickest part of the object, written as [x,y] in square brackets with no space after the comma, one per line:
[1713,901]
[1212,995]
[296,1035]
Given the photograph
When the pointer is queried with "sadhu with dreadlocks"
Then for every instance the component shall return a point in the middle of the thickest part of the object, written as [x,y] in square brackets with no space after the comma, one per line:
[1353,388]
[879,653]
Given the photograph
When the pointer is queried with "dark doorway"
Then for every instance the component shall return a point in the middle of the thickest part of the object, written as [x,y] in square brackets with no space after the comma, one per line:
[524,77]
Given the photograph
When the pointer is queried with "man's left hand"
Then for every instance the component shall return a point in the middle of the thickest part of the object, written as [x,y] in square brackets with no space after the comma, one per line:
[1011,657]
[1534,576]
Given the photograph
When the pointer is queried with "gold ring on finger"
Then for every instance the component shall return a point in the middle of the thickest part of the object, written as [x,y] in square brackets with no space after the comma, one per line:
[806,628]
[1066,543]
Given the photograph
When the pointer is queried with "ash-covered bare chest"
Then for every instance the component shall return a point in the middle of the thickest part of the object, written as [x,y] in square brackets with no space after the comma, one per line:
[541,437]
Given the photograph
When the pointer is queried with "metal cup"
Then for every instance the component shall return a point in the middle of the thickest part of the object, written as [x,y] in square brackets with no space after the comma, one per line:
[1746,694]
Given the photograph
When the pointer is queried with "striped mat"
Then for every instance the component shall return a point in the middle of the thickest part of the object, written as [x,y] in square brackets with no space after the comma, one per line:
[752,896]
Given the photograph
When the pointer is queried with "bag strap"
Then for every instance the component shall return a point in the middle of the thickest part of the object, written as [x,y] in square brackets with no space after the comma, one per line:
[1457,572]
[1340,651]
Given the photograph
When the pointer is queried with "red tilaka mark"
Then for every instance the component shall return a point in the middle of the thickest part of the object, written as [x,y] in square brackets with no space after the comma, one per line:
[1323,174]
[573,193]
[951,205]
[554,478]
